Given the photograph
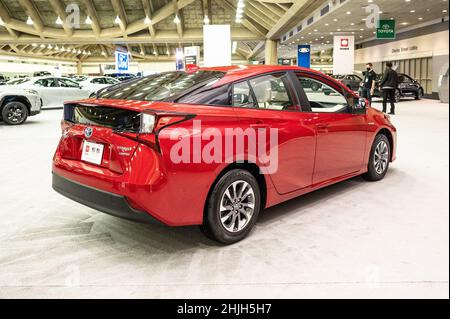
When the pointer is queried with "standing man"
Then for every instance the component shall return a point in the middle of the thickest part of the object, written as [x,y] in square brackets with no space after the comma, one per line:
[389,84]
[368,85]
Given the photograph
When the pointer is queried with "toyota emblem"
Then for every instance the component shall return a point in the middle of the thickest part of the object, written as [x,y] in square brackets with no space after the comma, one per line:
[88,132]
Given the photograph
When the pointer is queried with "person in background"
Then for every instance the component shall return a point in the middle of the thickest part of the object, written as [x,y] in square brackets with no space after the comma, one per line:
[388,85]
[368,84]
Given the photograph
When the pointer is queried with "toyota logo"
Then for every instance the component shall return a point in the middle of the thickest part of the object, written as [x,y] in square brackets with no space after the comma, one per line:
[88,132]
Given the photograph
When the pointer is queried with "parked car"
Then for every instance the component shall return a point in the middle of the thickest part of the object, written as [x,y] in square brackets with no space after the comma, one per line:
[41,73]
[76,77]
[54,90]
[95,83]
[3,79]
[407,87]
[17,104]
[352,81]
[121,76]
[128,151]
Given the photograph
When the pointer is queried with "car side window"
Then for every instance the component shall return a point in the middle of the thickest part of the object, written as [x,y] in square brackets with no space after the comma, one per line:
[271,92]
[219,96]
[50,82]
[67,83]
[325,99]
[242,95]
[98,81]
[109,81]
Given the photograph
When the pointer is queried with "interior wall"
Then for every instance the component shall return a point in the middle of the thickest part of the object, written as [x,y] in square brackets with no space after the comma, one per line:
[13,65]
[434,45]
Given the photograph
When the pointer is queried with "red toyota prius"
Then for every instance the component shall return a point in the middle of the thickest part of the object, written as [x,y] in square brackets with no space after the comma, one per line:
[215,146]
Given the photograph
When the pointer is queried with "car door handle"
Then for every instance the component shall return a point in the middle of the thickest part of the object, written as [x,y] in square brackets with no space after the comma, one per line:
[260,125]
[322,127]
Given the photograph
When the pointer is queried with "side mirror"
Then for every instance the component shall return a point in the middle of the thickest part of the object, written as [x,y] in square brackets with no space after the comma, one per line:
[359,105]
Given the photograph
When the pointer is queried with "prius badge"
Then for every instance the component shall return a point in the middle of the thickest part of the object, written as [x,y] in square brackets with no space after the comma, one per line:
[88,132]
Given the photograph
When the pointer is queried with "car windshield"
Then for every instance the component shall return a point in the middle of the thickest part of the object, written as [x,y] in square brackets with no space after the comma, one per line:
[17,81]
[161,87]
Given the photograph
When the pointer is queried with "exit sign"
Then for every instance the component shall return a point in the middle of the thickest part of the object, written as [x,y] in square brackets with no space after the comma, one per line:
[386,29]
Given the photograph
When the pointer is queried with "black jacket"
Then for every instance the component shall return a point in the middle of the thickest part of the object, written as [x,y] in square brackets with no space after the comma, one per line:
[390,79]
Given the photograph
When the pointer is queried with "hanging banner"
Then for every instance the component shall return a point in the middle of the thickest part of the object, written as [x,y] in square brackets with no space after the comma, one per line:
[386,29]
[216,45]
[304,55]
[179,59]
[343,54]
[122,59]
[192,55]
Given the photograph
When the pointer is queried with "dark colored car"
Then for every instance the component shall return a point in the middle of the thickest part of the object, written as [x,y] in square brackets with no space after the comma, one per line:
[41,73]
[407,87]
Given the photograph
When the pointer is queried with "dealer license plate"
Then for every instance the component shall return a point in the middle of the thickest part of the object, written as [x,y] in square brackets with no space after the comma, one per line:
[92,152]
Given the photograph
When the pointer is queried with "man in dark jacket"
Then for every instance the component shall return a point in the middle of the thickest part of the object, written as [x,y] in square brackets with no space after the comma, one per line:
[389,85]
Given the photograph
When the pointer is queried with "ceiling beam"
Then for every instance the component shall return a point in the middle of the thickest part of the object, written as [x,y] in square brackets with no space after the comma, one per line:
[33,13]
[61,13]
[178,13]
[119,10]
[148,10]
[92,13]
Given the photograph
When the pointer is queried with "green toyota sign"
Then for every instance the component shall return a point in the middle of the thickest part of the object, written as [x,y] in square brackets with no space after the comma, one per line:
[386,29]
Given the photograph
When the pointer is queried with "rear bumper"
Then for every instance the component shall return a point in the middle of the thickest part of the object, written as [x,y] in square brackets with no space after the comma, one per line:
[109,203]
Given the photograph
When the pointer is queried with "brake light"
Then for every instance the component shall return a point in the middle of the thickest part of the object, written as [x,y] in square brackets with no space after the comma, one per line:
[65,125]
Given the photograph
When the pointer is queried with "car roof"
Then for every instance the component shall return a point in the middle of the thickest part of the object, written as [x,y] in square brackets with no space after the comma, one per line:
[235,72]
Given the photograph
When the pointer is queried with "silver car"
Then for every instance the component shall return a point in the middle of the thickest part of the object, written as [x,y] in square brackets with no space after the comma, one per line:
[54,91]
[17,104]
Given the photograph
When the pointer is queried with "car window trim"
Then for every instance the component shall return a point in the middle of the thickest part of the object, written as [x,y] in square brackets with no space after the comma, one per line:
[291,91]
[327,82]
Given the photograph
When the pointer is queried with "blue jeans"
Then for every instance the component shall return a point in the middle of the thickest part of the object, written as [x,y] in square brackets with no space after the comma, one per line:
[365,92]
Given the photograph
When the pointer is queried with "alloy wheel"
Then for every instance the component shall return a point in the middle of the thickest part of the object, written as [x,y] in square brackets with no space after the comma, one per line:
[381,157]
[15,114]
[237,206]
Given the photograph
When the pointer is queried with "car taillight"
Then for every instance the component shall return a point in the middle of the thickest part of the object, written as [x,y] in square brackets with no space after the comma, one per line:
[65,125]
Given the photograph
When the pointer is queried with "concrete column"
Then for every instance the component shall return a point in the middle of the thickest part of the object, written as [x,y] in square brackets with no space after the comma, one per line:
[271,52]
[79,68]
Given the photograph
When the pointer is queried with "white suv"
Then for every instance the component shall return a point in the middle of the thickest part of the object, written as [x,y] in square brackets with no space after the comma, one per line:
[17,104]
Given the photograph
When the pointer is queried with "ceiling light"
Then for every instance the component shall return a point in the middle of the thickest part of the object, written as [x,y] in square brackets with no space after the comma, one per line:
[404,23]
[348,12]
[29,21]
[407,0]
[88,20]
[335,19]
[420,18]
[238,20]
[59,20]
[234,47]
[147,20]
[380,12]
[2,22]
[326,24]
[117,20]
[49,46]
[352,23]
[168,52]
[239,10]
[34,45]
[361,29]
[74,51]
[176,19]
[56,47]
[142,52]
[445,11]
[369,1]
[412,11]
[241,4]
[42,46]
[338,30]
[315,30]
[206,20]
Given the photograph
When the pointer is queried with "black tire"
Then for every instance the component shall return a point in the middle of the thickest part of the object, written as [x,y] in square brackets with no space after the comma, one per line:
[419,94]
[212,225]
[372,173]
[315,86]
[14,113]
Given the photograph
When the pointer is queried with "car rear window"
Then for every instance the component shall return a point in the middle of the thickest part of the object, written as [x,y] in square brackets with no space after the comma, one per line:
[117,119]
[161,87]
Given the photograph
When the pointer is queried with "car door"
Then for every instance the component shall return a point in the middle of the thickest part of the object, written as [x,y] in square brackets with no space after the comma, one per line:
[341,135]
[72,90]
[49,91]
[268,104]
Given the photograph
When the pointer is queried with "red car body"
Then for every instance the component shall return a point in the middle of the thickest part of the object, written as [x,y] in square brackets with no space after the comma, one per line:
[136,174]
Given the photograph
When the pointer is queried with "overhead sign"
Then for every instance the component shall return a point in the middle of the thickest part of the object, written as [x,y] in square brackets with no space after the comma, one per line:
[386,29]
[304,55]
[192,55]
[122,61]
[179,59]
[343,54]
[284,61]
